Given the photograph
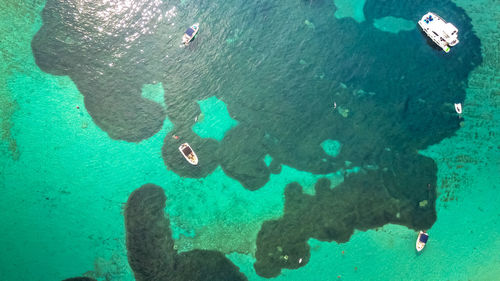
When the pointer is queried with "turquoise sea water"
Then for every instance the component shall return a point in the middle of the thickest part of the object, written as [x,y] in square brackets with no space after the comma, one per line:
[93,91]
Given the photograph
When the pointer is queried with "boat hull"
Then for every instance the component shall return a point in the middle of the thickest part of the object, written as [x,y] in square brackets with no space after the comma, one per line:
[439,31]
[188,153]
[419,244]
[187,38]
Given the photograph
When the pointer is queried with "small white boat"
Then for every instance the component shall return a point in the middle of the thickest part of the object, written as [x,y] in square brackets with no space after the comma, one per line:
[458,108]
[443,33]
[421,241]
[188,153]
[190,33]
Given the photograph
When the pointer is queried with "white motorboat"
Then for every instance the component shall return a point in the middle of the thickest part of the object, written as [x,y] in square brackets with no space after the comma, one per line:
[443,33]
[190,33]
[458,108]
[421,240]
[188,153]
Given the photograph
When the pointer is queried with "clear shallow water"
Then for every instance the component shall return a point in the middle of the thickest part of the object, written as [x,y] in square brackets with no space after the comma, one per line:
[77,177]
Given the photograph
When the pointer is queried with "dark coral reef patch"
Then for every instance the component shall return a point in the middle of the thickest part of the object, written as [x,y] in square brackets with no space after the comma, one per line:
[394,96]
[150,246]
[95,51]
[398,90]
[363,201]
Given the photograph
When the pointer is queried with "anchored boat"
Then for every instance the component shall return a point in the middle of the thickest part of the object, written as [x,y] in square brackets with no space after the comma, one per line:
[190,33]
[443,33]
[188,153]
[421,241]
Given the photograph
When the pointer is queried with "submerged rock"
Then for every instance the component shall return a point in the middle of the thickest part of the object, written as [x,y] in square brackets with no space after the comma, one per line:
[423,203]
[309,24]
[343,111]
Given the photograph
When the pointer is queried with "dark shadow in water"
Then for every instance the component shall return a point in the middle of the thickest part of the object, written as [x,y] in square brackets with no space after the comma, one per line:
[279,78]
[150,246]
